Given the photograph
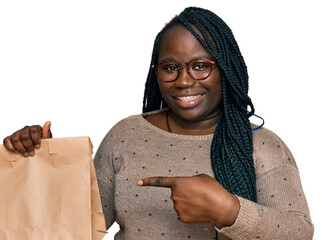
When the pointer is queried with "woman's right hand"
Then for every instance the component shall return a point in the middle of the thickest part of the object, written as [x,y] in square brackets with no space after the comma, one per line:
[27,139]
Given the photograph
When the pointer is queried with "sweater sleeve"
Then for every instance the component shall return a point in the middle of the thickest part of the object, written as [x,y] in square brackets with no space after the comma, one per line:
[105,172]
[281,211]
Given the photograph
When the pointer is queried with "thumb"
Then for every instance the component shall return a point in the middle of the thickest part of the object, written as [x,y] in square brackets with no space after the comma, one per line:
[46,133]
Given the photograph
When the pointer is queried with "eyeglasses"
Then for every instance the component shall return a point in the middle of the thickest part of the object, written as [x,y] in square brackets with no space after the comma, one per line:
[198,69]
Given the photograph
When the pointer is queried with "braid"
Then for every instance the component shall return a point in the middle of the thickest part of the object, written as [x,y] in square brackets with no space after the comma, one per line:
[232,144]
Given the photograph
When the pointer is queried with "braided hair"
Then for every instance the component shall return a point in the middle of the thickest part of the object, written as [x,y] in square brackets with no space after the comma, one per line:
[232,144]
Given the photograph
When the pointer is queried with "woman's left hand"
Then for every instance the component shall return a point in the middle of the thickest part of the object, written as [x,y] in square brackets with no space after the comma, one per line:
[199,199]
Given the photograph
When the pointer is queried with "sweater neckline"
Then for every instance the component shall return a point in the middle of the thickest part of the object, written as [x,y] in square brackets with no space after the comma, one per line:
[146,123]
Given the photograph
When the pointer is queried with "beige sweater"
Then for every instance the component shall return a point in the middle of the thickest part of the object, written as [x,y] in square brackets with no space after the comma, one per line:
[134,148]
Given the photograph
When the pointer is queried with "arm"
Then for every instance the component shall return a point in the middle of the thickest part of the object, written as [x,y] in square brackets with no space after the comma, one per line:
[198,199]
[105,172]
[281,211]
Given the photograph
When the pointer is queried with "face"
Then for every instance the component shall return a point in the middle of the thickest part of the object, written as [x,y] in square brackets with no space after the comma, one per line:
[189,99]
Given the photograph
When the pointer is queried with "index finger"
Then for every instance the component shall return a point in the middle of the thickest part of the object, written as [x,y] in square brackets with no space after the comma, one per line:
[35,134]
[7,143]
[167,182]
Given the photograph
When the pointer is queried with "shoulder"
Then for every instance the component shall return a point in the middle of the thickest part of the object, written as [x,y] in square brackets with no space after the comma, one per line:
[266,137]
[128,129]
[135,121]
[123,127]
[270,151]
[118,135]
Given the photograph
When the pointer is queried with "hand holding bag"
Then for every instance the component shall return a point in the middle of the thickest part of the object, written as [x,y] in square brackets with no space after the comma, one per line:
[51,196]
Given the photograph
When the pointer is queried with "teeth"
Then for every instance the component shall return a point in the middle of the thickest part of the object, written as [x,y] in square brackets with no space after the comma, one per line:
[188,98]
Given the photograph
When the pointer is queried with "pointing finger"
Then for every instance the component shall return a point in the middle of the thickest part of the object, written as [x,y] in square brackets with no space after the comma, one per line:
[167,182]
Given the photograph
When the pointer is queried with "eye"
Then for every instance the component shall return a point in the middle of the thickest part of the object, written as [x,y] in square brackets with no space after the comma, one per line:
[169,67]
[200,66]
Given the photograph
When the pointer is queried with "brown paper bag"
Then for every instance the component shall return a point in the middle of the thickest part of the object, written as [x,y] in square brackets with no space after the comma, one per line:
[51,196]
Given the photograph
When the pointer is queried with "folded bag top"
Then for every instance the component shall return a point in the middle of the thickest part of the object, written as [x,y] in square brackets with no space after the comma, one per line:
[53,195]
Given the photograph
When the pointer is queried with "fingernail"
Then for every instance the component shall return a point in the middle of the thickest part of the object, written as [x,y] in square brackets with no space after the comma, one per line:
[37,146]
[31,154]
[140,183]
[26,155]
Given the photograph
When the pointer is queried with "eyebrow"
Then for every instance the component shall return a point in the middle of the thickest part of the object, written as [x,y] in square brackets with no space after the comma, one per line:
[195,58]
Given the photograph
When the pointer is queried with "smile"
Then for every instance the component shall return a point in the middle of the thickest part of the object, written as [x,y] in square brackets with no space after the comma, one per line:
[188,98]
[188,101]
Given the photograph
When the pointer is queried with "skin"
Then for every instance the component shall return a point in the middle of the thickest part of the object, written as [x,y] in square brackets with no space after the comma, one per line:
[180,46]
[197,199]
[26,140]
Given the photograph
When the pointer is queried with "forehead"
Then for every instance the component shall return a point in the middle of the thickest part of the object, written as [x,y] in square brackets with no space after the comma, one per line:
[179,44]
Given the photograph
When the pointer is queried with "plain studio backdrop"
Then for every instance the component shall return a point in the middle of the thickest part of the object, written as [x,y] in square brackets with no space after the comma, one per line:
[83,65]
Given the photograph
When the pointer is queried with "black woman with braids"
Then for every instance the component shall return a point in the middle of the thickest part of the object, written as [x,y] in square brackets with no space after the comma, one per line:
[192,166]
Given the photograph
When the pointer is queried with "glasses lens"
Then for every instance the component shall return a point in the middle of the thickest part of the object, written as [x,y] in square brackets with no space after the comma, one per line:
[200,69]
[168,71]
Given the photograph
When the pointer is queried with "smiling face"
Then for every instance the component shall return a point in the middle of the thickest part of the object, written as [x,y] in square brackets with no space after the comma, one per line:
[190,100]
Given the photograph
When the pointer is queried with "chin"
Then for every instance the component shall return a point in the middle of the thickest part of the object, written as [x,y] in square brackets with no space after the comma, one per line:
[190,114]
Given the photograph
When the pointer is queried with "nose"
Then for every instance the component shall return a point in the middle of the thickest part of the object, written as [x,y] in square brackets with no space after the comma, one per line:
[184,79]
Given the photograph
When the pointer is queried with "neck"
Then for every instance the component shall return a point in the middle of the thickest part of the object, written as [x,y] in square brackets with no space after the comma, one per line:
[200,127]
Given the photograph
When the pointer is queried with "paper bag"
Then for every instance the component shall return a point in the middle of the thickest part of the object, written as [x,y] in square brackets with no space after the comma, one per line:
[51,196]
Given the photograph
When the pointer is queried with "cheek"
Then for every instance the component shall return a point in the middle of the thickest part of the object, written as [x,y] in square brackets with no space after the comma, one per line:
[215,92]
[217,89]
[214,84]
[164,89]
[217,85]
[218,92]
[214,97]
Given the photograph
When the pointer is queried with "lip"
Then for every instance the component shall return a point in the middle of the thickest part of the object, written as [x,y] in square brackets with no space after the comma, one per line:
[188,100]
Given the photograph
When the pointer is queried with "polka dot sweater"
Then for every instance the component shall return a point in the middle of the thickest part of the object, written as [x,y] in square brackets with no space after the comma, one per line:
[134,148]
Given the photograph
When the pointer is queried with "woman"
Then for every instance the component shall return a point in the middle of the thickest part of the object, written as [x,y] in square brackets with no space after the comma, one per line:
[195,110]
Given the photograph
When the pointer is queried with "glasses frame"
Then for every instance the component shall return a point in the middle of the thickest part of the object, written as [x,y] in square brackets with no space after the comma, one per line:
[187,67]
